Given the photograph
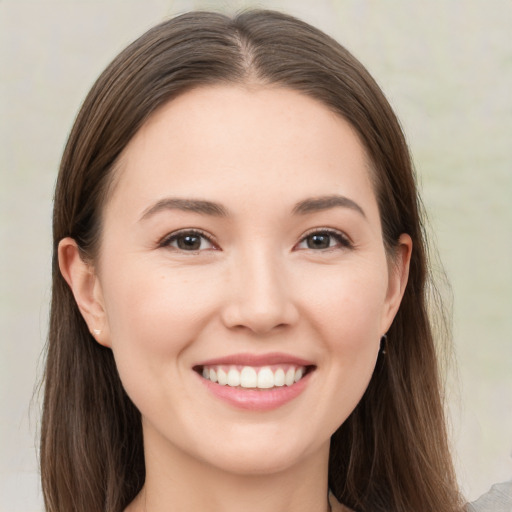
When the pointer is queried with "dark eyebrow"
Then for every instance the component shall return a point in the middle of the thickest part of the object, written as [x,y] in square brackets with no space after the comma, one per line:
[317,204]
[189,205]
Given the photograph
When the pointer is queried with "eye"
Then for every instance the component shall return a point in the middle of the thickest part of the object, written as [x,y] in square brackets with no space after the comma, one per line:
[324,239]
[188,241]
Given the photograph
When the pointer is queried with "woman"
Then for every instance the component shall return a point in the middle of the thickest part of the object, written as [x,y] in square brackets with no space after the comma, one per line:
[239,312]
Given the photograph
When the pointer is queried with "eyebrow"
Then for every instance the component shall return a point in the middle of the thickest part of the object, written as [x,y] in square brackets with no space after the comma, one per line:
[188,205]
[203,207]
[318,204]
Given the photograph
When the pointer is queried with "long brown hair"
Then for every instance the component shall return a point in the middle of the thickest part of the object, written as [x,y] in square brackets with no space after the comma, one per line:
[392,453]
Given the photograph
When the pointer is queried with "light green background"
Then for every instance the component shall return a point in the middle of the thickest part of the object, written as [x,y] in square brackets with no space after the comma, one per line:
[445,65]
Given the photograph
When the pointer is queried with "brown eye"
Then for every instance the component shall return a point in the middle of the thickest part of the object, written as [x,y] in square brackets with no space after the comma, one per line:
[190,241]
[321,240]
[318,241]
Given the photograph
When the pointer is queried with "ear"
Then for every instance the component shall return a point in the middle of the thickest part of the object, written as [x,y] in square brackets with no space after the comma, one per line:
[86,288]
[397,281]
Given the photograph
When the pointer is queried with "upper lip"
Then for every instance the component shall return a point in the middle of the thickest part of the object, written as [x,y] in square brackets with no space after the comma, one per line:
[246,359]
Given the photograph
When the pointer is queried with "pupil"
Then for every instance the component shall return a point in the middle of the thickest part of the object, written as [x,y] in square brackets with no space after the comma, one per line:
[189,242]
[318,241]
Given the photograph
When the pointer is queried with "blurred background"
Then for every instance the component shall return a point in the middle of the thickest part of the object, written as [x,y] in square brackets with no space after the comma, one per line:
[446,67]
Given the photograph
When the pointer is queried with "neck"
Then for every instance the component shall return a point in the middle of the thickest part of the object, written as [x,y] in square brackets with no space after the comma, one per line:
[179,483]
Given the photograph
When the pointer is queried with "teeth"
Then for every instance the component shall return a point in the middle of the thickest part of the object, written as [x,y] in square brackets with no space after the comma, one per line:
[222,377]
[233,378]
[279,377]
[265,378]
[249,377]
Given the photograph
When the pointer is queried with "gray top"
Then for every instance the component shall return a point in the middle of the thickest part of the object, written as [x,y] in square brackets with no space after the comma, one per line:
[498,499]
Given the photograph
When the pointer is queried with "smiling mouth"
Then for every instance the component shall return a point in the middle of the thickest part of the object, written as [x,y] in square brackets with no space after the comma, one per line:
[254,377]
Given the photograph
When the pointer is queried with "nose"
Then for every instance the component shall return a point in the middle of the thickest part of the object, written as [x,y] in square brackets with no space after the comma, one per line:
[260,297]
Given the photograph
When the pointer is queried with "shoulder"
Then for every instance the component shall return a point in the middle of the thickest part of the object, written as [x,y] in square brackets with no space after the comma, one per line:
[498,499]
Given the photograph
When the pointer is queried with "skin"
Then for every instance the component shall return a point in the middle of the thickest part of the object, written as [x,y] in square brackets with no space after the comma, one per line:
[255,285]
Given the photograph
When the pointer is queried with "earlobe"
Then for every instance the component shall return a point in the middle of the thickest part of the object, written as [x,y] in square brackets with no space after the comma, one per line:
[398,277]
[86,288]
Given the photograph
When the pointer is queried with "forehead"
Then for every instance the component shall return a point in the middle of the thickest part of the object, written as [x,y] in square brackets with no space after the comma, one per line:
[223,142]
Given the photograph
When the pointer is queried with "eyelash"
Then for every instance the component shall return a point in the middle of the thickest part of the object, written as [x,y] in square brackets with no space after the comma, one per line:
[342,241]
[172,237]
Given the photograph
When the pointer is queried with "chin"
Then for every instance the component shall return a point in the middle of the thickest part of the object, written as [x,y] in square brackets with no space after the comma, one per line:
[258,461]
[263,452]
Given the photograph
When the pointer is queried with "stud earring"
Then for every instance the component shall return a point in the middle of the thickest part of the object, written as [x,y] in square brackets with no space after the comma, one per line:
[383,343]
[96,332]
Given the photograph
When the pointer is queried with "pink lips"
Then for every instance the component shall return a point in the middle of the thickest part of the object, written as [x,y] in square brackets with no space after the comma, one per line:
[257,360]
[257,399]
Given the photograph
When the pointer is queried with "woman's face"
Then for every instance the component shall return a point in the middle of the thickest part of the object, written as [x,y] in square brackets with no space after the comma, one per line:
[242,243]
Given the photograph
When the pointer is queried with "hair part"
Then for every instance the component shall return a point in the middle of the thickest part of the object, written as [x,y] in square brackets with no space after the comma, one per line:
[392,452]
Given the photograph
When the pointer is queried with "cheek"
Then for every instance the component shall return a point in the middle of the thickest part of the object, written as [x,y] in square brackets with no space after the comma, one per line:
[345,317]
[152,306]
[347,304]
[153,316]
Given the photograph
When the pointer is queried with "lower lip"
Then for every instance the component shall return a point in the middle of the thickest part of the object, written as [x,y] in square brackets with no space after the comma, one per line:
[257,399]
